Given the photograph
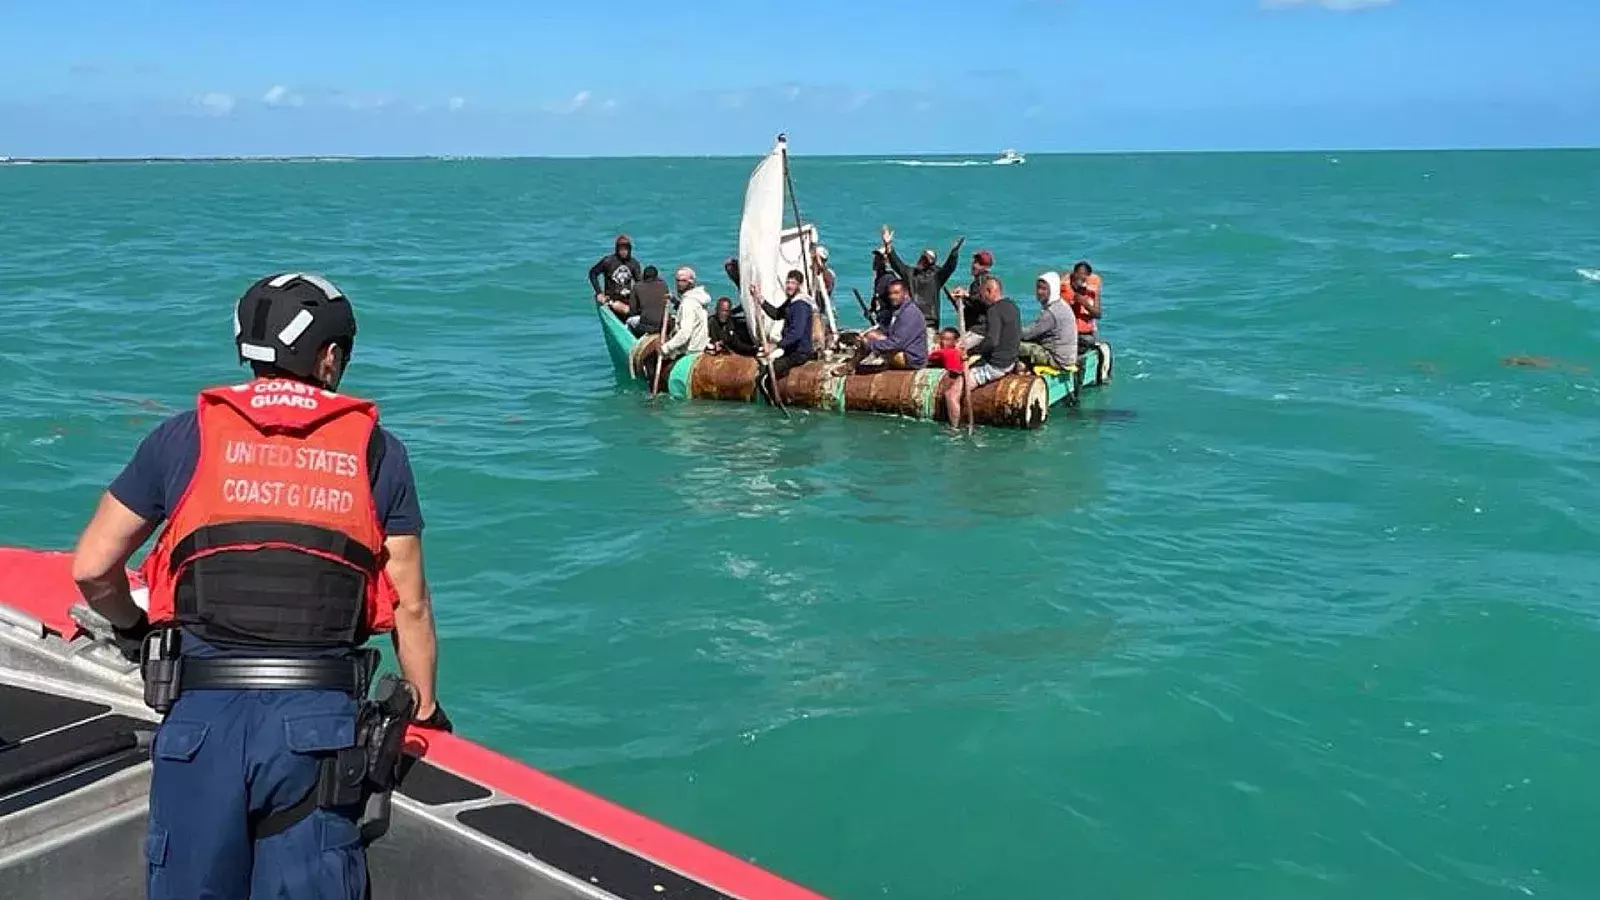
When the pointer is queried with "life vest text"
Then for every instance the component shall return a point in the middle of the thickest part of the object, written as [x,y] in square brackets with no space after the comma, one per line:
[305,459]
[286,494]
[282,392]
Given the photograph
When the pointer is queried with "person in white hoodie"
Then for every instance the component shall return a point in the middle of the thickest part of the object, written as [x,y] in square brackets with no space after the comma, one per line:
[690,332]
[1052,339]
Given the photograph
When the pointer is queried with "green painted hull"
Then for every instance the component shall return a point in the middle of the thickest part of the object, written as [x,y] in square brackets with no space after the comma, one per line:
[678,380]
[619,342]
[1066,387]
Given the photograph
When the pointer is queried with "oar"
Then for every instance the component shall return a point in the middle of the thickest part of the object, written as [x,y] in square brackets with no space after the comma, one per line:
[764,362]
[865,313]
[966,386]
[661,349]
[772,386]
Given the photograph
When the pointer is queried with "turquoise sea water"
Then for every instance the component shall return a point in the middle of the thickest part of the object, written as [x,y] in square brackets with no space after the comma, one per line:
[1303,605]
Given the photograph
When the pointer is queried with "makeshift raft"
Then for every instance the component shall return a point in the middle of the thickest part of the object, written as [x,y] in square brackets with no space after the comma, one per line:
[767,252]
[1015,401]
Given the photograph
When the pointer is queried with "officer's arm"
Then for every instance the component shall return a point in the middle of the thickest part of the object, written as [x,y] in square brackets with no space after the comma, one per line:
[415,643]
[99,565]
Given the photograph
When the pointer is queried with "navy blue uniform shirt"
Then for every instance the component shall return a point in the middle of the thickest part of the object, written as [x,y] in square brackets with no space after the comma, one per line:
[155,479]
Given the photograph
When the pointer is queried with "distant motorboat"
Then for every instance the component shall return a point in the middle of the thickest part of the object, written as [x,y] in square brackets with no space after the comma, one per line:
[1010,158]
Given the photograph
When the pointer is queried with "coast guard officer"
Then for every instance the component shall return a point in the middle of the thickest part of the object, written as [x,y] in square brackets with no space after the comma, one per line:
[293,534]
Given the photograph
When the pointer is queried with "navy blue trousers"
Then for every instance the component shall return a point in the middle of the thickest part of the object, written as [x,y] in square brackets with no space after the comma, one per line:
[223,757]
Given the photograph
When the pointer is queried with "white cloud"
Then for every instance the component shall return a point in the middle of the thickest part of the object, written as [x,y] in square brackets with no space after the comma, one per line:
[278,95]
[609,106]
[456,103]
[1339,5]
[213,103]
[578,101]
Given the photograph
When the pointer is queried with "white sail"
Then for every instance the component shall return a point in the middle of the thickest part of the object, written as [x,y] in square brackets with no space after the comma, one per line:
[792,255]
[760,240]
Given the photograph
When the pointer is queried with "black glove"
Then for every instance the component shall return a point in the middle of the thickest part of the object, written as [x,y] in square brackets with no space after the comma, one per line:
[130,640]
[438,721]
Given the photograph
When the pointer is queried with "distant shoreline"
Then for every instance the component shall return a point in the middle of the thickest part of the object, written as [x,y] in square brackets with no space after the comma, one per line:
[82,160]
[335,157]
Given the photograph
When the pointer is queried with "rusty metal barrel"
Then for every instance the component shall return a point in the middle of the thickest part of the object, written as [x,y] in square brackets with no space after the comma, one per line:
[723,377]
[895,393]
[1015,401]
[810,386]
[642,361]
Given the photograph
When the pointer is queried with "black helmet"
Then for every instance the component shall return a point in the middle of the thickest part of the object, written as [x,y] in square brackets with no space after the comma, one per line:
[285,320]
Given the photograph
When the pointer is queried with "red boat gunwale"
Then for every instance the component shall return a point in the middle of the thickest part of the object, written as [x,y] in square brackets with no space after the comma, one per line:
[616,824]
[39,583]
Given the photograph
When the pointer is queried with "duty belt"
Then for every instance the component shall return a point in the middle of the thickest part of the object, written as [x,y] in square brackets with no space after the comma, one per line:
[348,674]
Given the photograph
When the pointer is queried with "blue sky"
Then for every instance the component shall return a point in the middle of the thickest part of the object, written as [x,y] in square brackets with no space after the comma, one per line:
[496,77]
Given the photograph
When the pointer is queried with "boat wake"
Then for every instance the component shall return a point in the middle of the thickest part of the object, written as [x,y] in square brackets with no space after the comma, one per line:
[927,163]
[1590,274]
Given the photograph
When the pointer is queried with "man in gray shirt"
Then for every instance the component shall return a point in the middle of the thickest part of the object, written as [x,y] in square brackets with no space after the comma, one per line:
[998,349]
[1052,339]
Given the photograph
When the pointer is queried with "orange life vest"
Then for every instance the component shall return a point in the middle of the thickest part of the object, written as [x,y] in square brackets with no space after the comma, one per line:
[1086,323]
[276,540]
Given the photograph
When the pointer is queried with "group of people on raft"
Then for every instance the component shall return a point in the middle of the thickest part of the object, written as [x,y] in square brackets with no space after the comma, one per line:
[905,312]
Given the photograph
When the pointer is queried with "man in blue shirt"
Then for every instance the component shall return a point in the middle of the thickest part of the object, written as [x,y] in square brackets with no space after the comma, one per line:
[904,344]
[264,586]
[795,346]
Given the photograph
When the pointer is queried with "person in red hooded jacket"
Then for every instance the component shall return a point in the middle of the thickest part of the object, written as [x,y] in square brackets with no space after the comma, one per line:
[292,535]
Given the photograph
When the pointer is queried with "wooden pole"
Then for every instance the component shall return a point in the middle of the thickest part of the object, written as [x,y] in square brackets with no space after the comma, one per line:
[865,313]
[661,348]
[764,361]
[832,330]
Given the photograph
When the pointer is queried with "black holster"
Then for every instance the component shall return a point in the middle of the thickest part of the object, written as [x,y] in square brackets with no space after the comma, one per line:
[358,780]
[380,736]
[162,669]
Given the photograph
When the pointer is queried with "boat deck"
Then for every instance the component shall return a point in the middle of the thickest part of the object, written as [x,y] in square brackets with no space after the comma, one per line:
[465,823]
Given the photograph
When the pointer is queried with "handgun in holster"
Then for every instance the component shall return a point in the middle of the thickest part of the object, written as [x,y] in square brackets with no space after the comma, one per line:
[380,736]
[162,669]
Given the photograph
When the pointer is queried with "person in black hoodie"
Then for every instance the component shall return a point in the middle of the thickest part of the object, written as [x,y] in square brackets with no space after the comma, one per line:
[926,280]
[613,277]
[650,299]
[880,310]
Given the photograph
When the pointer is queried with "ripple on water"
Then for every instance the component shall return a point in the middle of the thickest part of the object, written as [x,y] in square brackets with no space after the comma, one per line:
[1173,638]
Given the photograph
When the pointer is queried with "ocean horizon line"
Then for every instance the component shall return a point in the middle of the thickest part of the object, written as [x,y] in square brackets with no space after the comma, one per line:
[919,155]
